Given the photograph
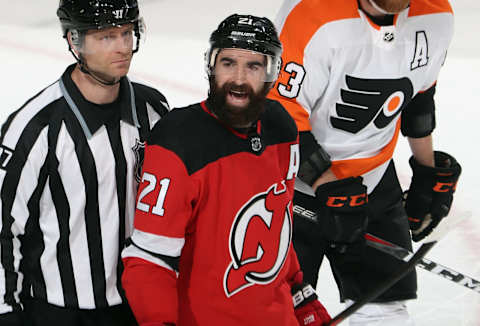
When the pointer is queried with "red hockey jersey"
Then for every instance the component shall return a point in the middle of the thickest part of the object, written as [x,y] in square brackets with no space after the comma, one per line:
[212,239]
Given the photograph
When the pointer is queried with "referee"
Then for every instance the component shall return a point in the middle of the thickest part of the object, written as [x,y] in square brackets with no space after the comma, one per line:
[69,170]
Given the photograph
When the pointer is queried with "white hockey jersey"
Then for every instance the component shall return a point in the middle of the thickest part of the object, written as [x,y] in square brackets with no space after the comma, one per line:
[347,79]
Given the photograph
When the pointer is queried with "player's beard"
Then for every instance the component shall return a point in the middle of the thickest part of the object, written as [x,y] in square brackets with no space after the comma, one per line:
[392,6]
[232,115]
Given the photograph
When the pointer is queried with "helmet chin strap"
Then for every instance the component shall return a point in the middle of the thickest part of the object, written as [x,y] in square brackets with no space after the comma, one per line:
[85,70]
[377,7]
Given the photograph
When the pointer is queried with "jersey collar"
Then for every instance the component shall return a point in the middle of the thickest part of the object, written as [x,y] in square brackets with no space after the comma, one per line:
[398,19]
[87,113]
[385,36]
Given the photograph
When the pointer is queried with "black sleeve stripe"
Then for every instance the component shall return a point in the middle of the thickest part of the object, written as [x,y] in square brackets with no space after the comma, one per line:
[8,194]
[32,252]
[418,118]
[170,261]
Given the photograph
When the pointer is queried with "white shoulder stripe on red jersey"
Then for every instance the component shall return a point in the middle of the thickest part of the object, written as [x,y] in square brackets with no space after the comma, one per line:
[132,251]
[158,244]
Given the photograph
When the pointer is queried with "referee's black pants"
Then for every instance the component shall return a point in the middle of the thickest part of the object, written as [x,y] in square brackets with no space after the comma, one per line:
[41,313]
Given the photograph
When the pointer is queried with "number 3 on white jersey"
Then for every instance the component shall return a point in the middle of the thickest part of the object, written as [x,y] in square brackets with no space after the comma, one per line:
[152,182]
[297,75]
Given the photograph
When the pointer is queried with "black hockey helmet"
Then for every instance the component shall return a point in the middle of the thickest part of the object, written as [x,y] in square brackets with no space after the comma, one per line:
[257,34]
[79,16]
[83,15]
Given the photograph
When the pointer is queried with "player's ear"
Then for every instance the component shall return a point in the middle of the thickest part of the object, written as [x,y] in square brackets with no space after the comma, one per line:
[73,39]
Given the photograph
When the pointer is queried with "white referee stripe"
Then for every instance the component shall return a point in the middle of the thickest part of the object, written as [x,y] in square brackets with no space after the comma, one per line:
[69,169]
[153,116]
[108,209]
[24,116]
[158,244]
[10,140]
[28,181]
[48,261]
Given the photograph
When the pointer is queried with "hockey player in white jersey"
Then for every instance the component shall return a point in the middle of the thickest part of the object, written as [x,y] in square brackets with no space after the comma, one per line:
[355,75]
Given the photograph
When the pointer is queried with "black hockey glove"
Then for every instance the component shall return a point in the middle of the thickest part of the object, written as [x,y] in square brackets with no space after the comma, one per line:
[430,195]
[343,213]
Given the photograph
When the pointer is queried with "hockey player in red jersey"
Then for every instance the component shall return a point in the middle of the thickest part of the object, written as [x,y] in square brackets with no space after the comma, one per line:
[212,239]
[355,74]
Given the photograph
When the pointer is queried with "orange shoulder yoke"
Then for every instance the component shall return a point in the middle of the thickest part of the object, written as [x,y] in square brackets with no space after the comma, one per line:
[425,7]
[301,24]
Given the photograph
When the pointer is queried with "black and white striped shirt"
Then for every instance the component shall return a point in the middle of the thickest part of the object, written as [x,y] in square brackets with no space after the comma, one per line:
[68,176]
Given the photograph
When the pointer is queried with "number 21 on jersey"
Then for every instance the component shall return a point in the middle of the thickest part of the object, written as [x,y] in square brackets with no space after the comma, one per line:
[152,183]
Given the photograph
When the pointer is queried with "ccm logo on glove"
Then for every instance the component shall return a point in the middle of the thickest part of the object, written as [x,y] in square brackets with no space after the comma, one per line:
[352,201]
[445,187]
[430,195]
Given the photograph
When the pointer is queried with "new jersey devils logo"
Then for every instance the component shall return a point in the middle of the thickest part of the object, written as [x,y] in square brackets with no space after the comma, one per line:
[259,240]
[367,100]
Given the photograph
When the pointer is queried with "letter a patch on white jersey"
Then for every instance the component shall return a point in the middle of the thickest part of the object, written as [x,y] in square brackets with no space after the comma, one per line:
[420,57]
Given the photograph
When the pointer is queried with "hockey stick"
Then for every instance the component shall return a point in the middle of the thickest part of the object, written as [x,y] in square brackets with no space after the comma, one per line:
[411,262]
[385,285]
[403,254]
[431,266]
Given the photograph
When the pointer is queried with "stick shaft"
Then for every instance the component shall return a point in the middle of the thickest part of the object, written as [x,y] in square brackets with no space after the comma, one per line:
[385,285]
[426,264]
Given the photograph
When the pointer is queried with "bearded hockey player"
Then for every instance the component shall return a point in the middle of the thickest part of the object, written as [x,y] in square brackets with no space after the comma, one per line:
[355,74]
[212,239]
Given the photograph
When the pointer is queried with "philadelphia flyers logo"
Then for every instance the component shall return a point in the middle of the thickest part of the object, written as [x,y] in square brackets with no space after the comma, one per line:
[259,240]
[371,100]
